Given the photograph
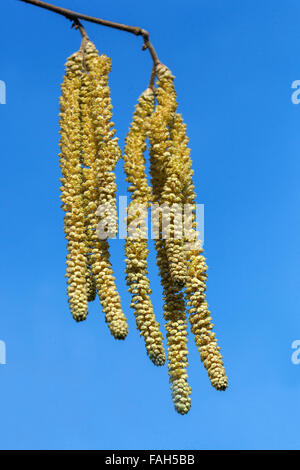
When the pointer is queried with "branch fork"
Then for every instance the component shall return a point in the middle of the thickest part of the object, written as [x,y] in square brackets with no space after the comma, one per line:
[76,17]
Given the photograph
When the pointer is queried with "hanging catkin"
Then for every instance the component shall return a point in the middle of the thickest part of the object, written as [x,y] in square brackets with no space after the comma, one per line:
[174,309]
[70,144]
[176,327]
[199,315]
[175,317]
[89,154]
[101,152]
[170,191]
[136,244]
[86,190]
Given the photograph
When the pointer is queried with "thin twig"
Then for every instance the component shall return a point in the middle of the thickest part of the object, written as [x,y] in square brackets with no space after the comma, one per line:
[152,78]
[75,17]
[78,25]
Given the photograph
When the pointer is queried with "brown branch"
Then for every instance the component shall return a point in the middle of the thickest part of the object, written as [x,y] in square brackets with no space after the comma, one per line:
[75,17]
[152,78]
[78,25]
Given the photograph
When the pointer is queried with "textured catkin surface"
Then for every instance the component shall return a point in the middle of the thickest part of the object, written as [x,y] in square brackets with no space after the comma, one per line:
[199,315]
[89,153]
[136,244]
[180,260]
[100,157]
[74,223]
[169,166]
[88,193]
[176,327]
[174,308]
[201,323]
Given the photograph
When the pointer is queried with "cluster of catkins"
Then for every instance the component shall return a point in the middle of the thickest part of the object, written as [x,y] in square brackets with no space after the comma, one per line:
[89,153]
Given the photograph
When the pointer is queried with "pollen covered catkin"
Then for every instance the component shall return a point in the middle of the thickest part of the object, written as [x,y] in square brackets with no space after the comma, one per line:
[199,315]
[169,168]
[136,243]
[86,191]
[174,308]
[176,327]
[100,155]
[88,157]
[108,150]
[70,145]
[201,322]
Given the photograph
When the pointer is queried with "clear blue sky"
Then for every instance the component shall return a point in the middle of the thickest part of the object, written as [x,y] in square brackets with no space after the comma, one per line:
[72,386]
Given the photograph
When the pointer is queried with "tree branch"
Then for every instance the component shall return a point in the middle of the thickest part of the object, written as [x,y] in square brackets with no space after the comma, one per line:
[75,17]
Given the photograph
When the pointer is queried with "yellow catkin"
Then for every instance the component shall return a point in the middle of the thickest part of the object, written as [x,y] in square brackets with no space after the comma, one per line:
[162,150]
[136,244]
[201,323]
[100,157]
[176,327]
[87,192]
[199,315]
[70,144]
[174,309]
[108,150]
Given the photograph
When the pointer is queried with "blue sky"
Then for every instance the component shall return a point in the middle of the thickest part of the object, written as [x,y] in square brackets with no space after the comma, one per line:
[72,386]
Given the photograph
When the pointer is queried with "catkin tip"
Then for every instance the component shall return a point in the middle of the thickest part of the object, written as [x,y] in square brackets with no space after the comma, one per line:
[220,385]
[79,318]
[119,331]
[158,360]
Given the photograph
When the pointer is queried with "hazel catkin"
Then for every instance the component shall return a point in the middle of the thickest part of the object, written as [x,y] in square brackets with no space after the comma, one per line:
[100,156]
[176,327]
[71,196]
[199,315]
[162,151]
[174,308]
[88,157]
[201,322]
[136,244]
